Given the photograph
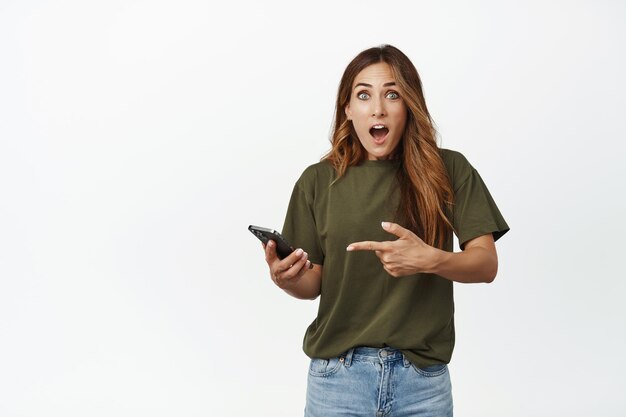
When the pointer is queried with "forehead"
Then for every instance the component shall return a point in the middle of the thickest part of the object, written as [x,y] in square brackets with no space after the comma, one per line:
[379,73]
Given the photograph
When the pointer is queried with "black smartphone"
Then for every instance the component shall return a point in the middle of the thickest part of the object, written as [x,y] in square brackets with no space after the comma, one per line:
[283,248]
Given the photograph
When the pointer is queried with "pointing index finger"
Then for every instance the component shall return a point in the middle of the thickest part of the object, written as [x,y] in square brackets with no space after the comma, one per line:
[365,245]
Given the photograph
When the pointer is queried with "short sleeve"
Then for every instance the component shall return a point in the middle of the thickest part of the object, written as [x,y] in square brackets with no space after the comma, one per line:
[475,212]
[300,228]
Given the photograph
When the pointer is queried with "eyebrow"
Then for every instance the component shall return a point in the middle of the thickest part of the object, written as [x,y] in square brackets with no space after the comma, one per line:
[389,84]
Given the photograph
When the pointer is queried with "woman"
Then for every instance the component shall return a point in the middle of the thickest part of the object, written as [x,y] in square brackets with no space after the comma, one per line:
[375,218]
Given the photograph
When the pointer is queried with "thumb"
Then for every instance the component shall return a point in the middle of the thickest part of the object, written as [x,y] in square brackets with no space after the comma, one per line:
[396,229]
[270,251]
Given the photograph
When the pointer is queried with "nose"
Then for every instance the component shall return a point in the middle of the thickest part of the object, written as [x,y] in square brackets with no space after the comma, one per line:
[378,109]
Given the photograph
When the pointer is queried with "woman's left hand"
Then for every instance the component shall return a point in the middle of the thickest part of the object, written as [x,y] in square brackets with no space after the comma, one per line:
[407,255]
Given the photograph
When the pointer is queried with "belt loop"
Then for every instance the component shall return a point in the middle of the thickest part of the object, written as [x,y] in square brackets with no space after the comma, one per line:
[347,357]
[407,363]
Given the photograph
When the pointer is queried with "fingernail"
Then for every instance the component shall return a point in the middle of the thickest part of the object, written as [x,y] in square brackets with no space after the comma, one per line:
[385,225]
[308,264]
[270,243]
[349,248]
[299,252]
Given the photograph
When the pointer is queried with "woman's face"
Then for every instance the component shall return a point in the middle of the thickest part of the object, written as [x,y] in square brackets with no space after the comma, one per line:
[377,111]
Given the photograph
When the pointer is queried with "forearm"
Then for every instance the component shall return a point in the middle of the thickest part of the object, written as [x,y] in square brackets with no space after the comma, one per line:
[308,287]
[473,265]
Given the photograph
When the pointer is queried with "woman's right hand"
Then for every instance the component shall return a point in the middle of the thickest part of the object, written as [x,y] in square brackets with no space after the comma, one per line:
[286,272]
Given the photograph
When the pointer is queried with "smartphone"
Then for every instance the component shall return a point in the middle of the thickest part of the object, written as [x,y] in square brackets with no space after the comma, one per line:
[283,248]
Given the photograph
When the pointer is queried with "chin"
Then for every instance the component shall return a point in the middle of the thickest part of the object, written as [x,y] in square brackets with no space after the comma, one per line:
[381,153]
[378,155]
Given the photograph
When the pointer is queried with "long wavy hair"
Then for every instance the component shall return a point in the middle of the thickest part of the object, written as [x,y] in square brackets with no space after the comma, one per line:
[425,190]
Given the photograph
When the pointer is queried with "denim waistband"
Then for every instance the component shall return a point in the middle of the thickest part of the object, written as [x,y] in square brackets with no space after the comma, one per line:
[372,354]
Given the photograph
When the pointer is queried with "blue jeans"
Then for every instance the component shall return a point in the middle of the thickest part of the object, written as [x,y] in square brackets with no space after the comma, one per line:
[375,382]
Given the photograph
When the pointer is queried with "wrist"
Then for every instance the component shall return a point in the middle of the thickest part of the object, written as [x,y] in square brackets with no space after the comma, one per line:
[439,258]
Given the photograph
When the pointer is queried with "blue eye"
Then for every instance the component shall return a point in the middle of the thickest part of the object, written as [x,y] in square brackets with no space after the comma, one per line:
[393,95]
[363,96]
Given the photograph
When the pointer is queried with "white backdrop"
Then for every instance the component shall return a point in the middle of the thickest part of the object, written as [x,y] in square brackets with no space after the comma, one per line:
[139,139]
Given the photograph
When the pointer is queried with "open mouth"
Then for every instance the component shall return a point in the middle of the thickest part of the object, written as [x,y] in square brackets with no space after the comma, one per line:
[379,132]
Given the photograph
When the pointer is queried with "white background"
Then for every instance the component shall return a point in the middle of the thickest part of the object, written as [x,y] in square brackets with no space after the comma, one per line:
[139,139]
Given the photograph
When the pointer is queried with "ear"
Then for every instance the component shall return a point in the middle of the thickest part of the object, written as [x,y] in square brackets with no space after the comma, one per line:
[348,112]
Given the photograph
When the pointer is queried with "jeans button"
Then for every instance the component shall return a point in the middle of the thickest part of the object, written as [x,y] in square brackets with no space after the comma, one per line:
[383,353]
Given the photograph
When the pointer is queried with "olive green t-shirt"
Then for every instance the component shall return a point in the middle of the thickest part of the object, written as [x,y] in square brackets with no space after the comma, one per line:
[360,303]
